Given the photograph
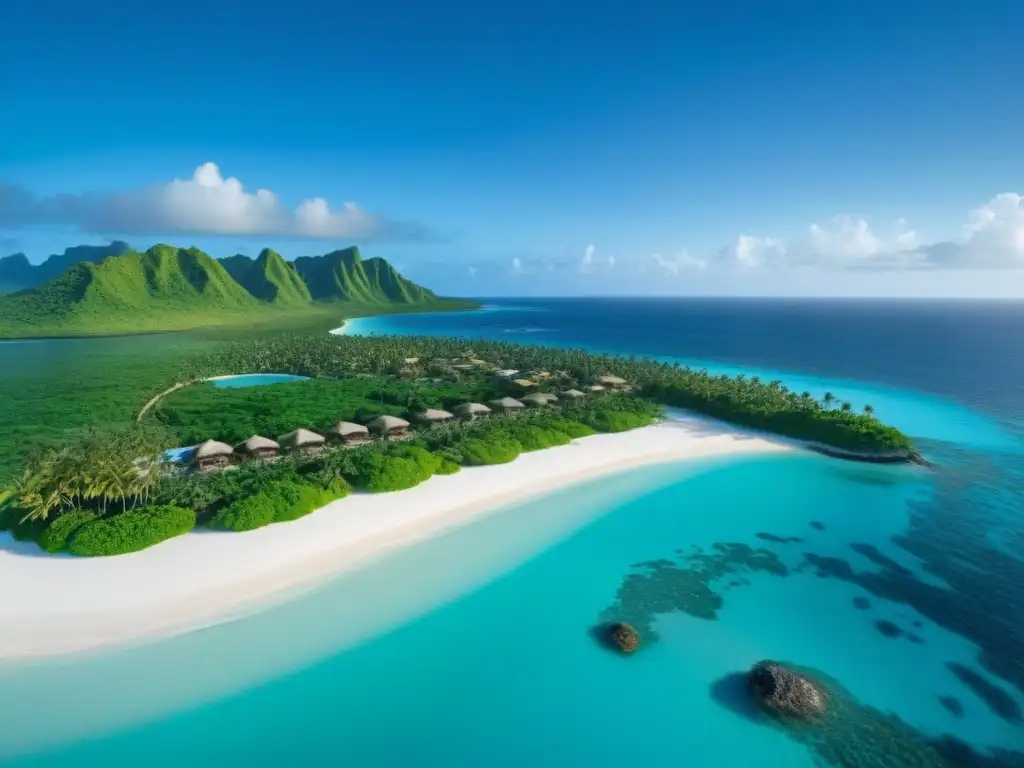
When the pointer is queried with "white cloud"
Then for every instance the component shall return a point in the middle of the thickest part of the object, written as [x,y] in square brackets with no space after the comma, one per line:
[517,265]
[611,261]
[682,261]
[587,263]
[208,204]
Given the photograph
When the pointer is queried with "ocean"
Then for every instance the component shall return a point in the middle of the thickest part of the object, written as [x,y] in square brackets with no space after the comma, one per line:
[902,587]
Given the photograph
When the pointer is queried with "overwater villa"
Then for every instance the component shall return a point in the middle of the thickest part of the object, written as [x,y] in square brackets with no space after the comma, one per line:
[434,416]
[612,382]
[257,447]
[539,399]
[573,394]
[304,440]
[349,433]
[470,411]
[389,426]
[507,405]
[210,455]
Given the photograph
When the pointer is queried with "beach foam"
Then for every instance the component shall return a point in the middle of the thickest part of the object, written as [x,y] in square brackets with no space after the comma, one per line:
[65,604]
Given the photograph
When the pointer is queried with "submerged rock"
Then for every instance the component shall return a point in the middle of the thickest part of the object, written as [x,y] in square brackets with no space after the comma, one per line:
[782,691]
[624,637]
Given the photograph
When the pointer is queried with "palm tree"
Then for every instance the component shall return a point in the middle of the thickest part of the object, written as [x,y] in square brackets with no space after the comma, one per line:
[869,409]
[846,407]
[828,399]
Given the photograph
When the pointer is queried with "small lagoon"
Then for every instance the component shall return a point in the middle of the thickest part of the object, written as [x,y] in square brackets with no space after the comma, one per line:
[254,380]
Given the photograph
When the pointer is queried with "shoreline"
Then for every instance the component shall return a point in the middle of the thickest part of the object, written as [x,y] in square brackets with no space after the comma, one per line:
[67,605]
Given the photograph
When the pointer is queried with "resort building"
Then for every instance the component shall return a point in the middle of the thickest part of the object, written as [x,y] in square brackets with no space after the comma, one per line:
[389,426]
[524,383]
[507,405]
[303,440]
[612,382]
[573,394]
[470,411]
[210,455]
[257,447]
[349,433]
[506,373]
[434,416]
[595,388]
[539,399]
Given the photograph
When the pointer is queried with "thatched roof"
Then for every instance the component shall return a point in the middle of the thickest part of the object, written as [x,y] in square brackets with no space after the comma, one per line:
[471,409]
[434,414]
[210,448]
[614,381]
[573,393]
[507,373]
[411,360]
[550,396]
[537,399]
[256,443]
[524,383]
[506,402]
[384,423]
[595,388]
[301,438]
[346,428]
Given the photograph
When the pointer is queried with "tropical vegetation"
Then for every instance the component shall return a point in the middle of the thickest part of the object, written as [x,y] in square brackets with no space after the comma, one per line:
[170,288]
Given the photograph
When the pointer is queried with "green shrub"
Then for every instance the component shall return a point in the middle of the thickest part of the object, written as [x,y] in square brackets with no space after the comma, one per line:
[277,503]
[57,533]
[490,450]
[536,438]
[447,467]
[618,421]
[574,429]
[131,531]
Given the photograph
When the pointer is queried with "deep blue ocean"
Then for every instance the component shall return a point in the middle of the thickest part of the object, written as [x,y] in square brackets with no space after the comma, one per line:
[903,587]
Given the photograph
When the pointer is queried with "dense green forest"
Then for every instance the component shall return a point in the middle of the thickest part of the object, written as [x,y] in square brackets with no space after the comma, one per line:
[106,493]
[168,288]
[203,411]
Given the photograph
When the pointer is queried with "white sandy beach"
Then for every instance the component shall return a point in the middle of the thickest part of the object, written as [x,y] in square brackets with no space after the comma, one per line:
[62,604]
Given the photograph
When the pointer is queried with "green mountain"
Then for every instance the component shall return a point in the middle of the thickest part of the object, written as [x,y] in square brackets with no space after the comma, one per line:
[17,273]
[268,278]
[344,276]
[169,288]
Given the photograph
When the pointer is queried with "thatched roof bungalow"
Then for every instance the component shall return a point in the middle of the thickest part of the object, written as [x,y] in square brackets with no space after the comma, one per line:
[470,411]
[524,383]
[304,440]
[507,405]
[257,447]
[595,388]
[349,433]
[612,382]
[389,426]
[573,394]
[434,416]
[210,455]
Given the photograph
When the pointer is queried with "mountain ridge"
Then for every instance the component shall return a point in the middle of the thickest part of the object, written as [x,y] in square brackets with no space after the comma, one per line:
[18,273]
[171,288]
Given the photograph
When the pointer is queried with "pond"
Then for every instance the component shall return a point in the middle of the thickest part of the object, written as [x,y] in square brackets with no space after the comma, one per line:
[255,380]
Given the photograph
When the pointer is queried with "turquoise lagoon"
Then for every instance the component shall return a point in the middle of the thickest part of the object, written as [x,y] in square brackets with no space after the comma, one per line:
[254,380]
[475,648]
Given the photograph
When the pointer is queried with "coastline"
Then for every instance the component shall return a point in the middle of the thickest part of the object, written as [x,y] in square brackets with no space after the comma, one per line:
[68,605]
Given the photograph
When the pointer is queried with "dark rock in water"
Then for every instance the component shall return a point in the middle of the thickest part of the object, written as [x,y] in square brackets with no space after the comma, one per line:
[888,629]
[817,526]
[916,639]
[624,637]
[861,603]
[953,705]
[783,691]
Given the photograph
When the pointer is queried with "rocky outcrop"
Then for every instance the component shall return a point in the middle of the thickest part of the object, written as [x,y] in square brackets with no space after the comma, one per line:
[624,637]
[908,456]
[783,691]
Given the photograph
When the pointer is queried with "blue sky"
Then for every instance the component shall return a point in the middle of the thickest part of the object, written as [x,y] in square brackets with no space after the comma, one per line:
[787,147]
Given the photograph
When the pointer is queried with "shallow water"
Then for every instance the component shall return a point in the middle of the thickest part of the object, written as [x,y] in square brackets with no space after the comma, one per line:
[902,586]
